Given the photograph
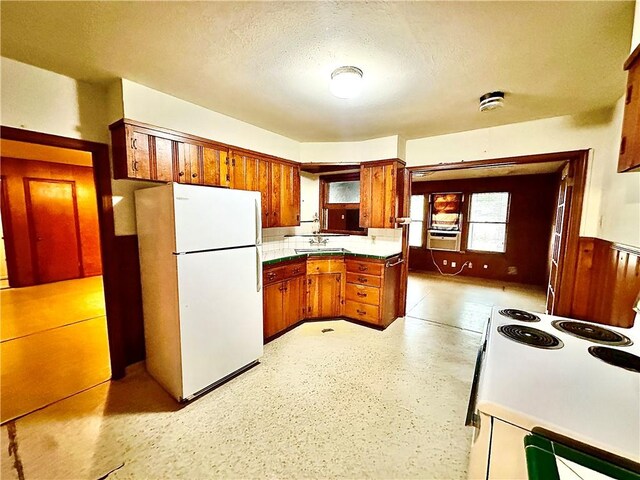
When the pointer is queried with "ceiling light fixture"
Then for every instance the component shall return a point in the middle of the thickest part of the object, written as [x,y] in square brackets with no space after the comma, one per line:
[491,101]
[346,82]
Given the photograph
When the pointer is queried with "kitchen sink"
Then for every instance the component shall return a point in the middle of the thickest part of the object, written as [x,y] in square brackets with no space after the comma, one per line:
[321,250]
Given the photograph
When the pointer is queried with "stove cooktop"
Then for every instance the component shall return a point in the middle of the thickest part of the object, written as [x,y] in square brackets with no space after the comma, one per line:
[533,337]
[521,315]
[618,358]
[593,333]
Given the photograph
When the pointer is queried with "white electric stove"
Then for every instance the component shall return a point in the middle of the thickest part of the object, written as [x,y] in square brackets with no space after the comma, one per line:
[542,374]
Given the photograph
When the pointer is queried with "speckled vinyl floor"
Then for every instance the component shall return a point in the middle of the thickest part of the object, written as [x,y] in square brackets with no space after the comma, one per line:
[350,403]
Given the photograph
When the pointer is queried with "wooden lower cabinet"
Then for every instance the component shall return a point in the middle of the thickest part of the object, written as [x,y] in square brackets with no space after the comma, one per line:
[362,290]
[284,297]
[372,290]
[324,295]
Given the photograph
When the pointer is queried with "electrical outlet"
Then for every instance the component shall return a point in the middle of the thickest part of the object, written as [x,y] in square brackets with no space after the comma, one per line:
[470,265]
[485,266]
[444,262]
[453,264]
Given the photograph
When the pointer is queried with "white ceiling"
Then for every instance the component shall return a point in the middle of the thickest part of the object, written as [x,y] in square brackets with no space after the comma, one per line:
[486,172]
[268,63]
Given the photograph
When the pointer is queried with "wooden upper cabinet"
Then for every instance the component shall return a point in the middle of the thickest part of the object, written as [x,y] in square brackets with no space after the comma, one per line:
[629,159]
[251,172]
[190,163]
[215,170]
[163,154]
[285,195]
[139,154]
[379,199]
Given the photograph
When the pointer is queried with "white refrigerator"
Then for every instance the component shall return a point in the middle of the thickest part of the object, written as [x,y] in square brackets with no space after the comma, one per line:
[201,275]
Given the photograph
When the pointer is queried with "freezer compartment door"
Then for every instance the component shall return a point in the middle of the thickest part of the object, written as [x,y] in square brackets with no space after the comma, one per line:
[220,315]
[208,218]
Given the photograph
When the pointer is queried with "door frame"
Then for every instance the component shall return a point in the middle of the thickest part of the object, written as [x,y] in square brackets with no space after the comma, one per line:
[32,224]
[102,179]
[578,161]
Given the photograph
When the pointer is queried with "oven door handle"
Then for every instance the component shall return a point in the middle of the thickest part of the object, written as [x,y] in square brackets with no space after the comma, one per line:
[472,418]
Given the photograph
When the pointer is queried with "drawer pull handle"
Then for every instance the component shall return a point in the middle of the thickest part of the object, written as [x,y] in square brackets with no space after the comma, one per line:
[360,294]
[271,275]
[361,312]
[296,270]
[363,268]
[362,279]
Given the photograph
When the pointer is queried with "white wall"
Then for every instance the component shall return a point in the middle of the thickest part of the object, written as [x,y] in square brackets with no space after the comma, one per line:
[347,152]
[43,101]
[612,201]
[156,108]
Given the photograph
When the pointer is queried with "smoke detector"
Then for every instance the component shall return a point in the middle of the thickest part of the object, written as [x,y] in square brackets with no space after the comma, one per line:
[491,101]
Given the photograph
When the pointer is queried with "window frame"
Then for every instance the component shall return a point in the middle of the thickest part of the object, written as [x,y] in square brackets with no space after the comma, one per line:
[469,222]
[325,180]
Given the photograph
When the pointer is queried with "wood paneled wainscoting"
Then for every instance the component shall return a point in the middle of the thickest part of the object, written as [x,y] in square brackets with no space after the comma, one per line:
[607,282]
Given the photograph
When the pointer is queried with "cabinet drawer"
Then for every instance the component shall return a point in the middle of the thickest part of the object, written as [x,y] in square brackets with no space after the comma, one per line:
[367,268]
[279,273]
[329,265]
[363,294]
[296,269]
[362,311]
[361,279]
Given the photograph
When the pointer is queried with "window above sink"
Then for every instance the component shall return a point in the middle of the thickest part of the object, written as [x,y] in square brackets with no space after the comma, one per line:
[340,204]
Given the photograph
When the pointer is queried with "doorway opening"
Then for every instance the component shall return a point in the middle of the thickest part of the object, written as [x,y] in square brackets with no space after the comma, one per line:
[55,342]
[511,220]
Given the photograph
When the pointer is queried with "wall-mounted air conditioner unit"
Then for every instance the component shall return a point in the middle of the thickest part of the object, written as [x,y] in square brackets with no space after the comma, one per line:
[443,240]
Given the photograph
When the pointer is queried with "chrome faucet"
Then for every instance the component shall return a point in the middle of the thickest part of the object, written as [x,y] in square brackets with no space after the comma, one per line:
[318,240]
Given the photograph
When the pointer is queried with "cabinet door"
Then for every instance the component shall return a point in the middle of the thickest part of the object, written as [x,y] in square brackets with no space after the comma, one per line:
[139,165]
[214,167]
[630,143]
[237,176]
[365,196]
[275,184]
[293,305]
[189,170]
[163,159]
[378,195]
[257,179]
[289,195]
[324,295]
[274,317]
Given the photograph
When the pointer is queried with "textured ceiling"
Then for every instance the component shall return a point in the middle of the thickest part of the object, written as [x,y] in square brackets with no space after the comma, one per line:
[268,63]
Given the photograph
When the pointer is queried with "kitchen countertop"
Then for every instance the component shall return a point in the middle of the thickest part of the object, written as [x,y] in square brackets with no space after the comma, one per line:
[277,256]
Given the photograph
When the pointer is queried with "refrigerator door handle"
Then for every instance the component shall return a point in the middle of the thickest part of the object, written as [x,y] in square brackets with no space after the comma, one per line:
[258,270]
[258,223]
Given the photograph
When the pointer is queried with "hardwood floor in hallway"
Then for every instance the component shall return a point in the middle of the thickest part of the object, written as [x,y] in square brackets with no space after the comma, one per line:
[54,343]
[466,302]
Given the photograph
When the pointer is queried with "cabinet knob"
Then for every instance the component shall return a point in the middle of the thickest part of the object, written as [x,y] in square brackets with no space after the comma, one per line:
[194,175]
[134,165]
[623,145]
[181,174]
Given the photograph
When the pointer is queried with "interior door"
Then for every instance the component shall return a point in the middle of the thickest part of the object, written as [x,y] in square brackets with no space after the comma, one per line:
[220,295]
[558,238]
[54,230]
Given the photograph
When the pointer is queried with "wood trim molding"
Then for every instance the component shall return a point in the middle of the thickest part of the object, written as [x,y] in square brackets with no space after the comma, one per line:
[500,162]
[102,177]
[632,58]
